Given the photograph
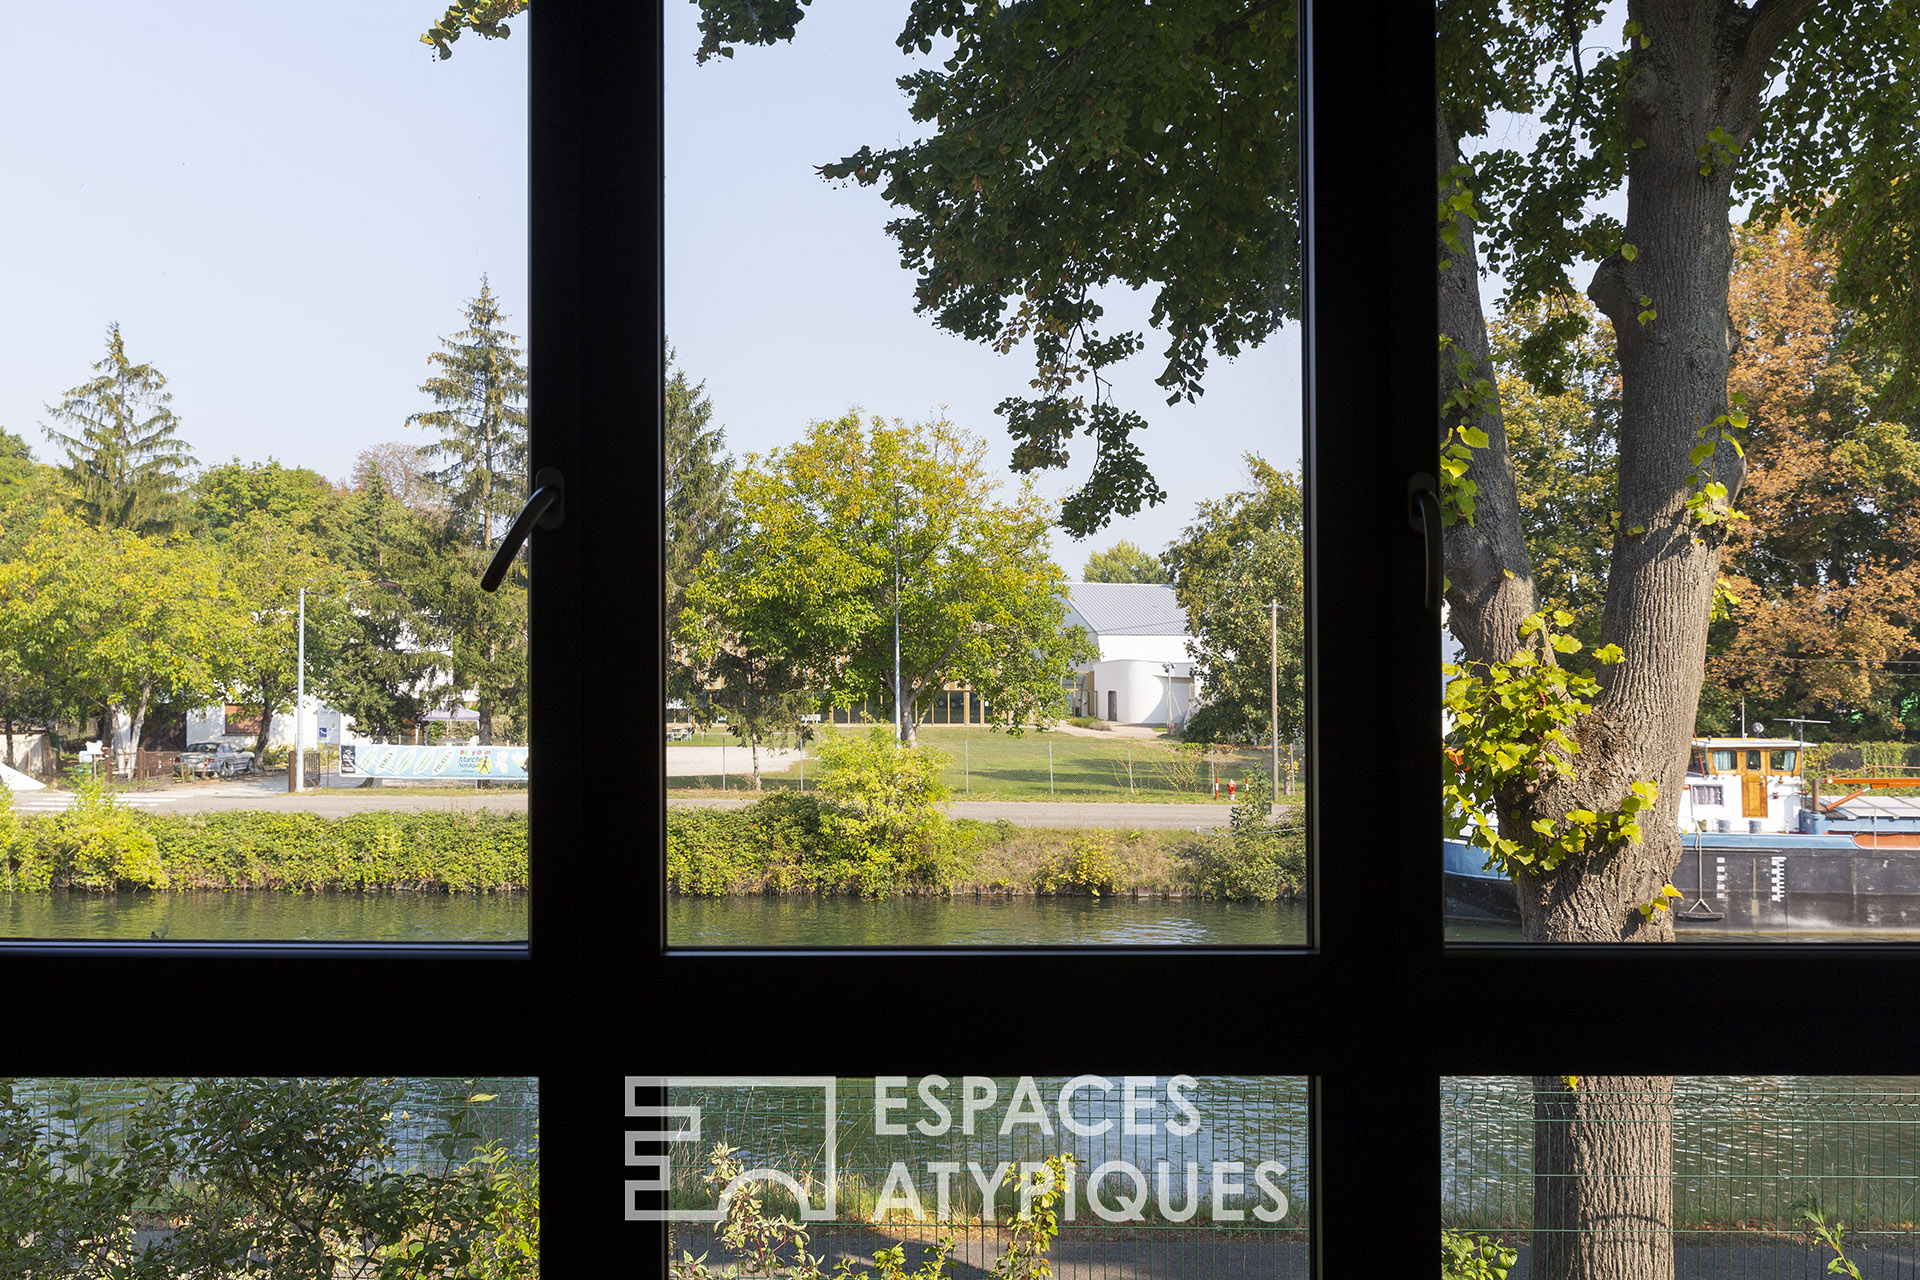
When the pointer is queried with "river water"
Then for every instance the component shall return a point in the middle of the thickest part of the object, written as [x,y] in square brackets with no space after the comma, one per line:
[981,922]
[263,916]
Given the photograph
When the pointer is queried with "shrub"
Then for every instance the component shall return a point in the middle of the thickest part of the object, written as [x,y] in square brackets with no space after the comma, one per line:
[885,814]
[1085,864]
[1256,859]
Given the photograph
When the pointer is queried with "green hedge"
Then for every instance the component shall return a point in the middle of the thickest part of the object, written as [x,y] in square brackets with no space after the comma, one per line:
[106,847]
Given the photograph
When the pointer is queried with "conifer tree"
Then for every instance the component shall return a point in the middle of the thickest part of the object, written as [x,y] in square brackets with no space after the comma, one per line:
[123,453]
[479,390]
[698,484]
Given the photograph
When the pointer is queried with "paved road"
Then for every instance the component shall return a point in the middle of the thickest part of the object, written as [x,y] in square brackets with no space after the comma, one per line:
[271,793]
[1112,816]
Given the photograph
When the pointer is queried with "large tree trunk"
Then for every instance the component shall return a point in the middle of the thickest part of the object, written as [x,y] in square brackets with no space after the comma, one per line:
[1603,1196]
[1603,1178]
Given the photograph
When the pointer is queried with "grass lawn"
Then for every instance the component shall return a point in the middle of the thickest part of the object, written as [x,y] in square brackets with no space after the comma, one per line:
[988,765]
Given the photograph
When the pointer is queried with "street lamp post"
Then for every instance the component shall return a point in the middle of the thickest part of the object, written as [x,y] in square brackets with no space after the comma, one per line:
[297,773]
[297,777]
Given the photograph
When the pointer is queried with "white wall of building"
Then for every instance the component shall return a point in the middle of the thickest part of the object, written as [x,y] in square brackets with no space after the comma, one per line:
[210,723]
[1142,692]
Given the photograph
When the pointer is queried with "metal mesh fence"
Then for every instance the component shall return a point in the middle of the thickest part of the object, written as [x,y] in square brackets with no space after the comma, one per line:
[420,1111]
[1191,1178]
[1752,1158]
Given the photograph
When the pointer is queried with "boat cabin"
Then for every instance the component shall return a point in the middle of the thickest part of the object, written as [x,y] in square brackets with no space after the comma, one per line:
[1743,784]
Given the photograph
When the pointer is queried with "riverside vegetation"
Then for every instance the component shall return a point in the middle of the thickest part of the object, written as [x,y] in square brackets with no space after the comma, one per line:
[877,827]
[102,845]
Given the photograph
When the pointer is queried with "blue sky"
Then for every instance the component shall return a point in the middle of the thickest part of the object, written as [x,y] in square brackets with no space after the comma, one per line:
[286,212]
[284,207]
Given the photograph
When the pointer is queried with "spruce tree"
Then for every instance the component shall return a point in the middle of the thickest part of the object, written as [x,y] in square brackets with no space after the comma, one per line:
[698,484]
[123,454]
[479,392]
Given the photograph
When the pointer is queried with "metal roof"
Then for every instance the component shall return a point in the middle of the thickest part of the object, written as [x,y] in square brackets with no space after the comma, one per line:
[1127,609]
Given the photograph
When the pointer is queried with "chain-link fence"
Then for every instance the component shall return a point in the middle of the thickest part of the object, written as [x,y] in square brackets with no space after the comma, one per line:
[1171,1178]
[982,764]
[421,1109]
[1771,1176]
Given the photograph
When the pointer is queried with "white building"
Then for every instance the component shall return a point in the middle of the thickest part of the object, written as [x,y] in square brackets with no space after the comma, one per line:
[1144,674]
[210,724]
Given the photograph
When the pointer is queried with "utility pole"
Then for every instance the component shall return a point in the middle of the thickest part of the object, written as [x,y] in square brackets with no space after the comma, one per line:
[1273,710]
[298,780]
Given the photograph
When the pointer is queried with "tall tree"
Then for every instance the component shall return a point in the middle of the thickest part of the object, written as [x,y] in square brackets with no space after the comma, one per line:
[481,418]
[1242,555]
[123,452]
[861,519]
[401,470]
[479,393]
[270,562]
[106,621]
[1124,562]
[388,660]
[698,475]
[1824,576]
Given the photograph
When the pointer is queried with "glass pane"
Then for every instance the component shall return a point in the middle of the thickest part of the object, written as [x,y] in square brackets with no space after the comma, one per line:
[227,1176]
[1677,522]
[263,385]
[1705,1175]
[923,489]
[1136,1176]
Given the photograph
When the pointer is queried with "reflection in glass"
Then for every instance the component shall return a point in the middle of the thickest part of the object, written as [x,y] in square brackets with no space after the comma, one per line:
[1723,1175]
[224,1176]
[1144,1176]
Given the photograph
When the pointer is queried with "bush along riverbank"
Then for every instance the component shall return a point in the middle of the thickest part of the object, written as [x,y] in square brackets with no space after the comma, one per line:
[877,828]
[100,845]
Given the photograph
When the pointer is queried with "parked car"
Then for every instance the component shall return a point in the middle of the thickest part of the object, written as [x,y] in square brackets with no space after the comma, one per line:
[205,759]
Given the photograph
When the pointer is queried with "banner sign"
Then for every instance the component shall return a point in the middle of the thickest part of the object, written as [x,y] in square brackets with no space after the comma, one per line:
[387,760]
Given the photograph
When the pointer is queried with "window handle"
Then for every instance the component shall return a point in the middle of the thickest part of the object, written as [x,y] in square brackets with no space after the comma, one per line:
[547,508]
[1423,516]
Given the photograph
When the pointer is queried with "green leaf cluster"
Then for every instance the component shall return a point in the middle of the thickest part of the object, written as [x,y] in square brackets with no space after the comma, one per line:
[1465,1255]
[1512,736]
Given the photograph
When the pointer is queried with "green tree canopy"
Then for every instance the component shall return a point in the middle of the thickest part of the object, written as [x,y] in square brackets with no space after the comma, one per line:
[105,621]
[123,455]
[1124,562]
[831,533]
[225,495]
[1241,553]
